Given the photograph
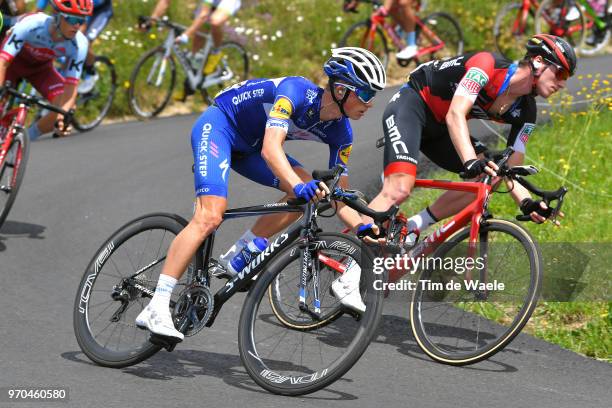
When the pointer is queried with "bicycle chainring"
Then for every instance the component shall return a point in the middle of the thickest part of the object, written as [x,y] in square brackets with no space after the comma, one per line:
[195,304]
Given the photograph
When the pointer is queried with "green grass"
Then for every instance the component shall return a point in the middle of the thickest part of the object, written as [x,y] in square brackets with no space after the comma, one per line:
[571,150]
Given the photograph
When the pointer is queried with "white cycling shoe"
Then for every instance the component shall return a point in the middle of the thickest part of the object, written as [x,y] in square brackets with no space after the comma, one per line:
[407,53]
[87,83]
[346,288]
[159,323]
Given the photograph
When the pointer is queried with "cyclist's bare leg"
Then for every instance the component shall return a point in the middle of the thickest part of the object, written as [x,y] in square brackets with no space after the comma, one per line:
[217,22]
[198,41]
[396,189]
[207,217]
[402,12]
[65,100]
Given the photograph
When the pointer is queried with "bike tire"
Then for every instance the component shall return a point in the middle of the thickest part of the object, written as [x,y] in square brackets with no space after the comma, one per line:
[13,173]
[359,31]
[138,348]
[543,21]
[260,364]
[470,344]
[108,83]
[450,34]
[512,45]
[160,103]
[239,66]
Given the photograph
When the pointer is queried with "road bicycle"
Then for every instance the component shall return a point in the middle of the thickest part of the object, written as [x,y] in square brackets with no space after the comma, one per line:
[123,273]
[592,29]
[14,141]
[438,35]
[154,77]
[461,314]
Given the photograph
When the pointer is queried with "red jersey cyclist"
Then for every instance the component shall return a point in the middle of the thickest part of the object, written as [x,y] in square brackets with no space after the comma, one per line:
[430,113]
[32,45]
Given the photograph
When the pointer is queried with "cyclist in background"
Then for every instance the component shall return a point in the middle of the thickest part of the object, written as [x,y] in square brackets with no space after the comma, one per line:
[403,13]
[245,129]
[430,114]
[101,16]
[31,46]
[11,10]
[216,12]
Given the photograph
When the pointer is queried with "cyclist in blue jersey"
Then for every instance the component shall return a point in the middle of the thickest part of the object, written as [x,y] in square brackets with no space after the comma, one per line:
[245,129]
[31,46]
[101,16]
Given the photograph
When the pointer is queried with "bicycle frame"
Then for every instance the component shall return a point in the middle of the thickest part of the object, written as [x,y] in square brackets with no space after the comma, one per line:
[521,19]
[194,74]
[10,120]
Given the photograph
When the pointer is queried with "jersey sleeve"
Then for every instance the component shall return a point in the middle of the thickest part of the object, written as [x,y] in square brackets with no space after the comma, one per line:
[16,40]
[340,151]
[479,70]
[523,123]
[289,99]
[41,4]
[76,60]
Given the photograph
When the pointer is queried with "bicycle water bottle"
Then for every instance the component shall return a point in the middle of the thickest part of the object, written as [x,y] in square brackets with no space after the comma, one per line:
[248,253]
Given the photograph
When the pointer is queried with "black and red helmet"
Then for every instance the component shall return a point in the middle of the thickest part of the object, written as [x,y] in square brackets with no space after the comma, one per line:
[75,7]
[554,49]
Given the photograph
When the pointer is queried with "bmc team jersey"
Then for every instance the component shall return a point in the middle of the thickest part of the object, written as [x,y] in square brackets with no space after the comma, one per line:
[230,133]
[415,116]
[31,40]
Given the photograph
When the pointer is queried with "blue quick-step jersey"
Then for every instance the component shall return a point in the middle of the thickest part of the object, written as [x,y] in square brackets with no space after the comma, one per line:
[238,122]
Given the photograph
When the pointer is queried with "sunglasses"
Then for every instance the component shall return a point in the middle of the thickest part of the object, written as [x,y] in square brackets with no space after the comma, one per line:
[560,73]
[73,20]
[364,95]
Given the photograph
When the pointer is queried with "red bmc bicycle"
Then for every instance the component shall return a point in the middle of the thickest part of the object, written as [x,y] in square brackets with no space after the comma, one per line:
[438,35]
[14,142]
[479,277]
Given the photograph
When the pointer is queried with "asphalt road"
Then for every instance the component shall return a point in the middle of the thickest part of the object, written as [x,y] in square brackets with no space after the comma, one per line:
[78,190]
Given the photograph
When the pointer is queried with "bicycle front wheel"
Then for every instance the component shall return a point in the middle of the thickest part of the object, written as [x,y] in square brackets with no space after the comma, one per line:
[439,29]
[457,321]
[512,29]
[151,83]
[12,170]
[117,284]
[571,26]
[298,359]
[359,35]
[93,106]
[233,68]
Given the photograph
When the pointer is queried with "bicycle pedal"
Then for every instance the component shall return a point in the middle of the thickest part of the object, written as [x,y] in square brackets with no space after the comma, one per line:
[169,343]
[5,189]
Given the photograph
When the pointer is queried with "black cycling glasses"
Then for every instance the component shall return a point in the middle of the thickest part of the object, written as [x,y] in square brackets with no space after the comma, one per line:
[364,95]
[74,20]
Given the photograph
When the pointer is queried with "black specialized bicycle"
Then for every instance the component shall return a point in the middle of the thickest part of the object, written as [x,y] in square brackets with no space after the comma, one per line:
[298,348]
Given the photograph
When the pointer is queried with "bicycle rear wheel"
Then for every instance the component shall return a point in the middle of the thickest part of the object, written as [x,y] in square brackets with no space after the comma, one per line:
[12,171]
[117,284]
[548,19]
[233,67]
[440,27]
[295,360]
[93,106]
[358,35]
[466,325]
[151,83]
[511,32]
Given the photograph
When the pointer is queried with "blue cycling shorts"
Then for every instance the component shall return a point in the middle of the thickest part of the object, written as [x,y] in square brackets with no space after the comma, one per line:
[217,147]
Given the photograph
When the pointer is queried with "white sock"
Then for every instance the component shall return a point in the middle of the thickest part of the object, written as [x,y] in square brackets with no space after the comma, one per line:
[163,291]
[421,221]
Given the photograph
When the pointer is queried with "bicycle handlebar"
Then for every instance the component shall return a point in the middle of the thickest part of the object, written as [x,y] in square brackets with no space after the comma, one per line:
[36,100]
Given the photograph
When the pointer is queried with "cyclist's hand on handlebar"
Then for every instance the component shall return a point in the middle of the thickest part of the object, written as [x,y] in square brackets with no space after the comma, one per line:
[145,24]
[61,128]
[314,189]
[538,211]
[370,233]
[475,167]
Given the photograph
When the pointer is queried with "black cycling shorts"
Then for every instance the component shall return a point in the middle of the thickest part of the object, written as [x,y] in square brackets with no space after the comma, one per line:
[410,127]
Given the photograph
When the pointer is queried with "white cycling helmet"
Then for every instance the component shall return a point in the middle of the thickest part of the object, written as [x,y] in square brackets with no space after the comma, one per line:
[356,66]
